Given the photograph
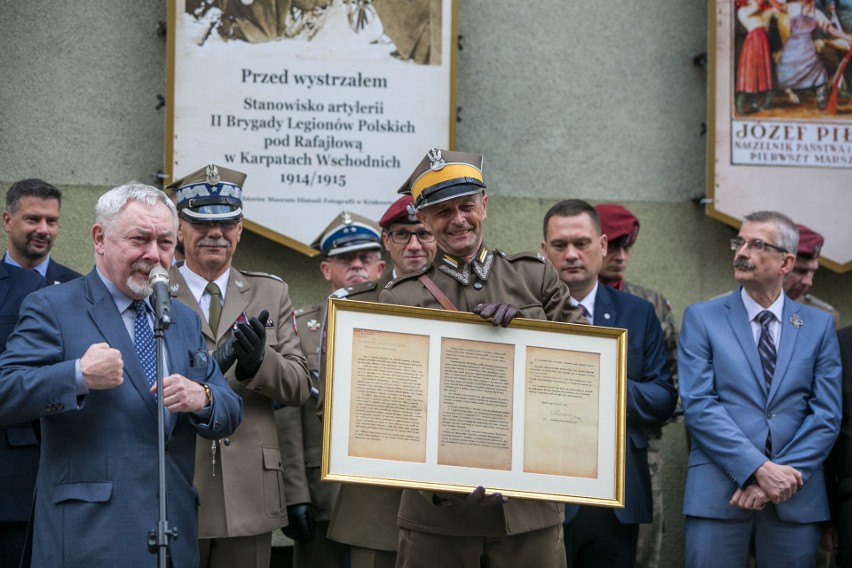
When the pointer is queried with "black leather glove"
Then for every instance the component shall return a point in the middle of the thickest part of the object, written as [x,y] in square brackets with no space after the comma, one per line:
[249,344]
[502,314]
[301,523]
[225,355]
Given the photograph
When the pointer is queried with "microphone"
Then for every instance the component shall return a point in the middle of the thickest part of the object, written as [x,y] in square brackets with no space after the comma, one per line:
[159,280]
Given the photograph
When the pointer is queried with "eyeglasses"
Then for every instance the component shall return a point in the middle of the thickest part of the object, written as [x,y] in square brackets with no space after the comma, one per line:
[402,237]
[754,245]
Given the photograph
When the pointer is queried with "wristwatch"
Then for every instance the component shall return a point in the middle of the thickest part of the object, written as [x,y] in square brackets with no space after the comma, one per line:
[209,396]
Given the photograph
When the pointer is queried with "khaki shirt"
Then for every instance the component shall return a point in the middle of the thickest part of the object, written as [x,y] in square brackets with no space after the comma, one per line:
[813,301]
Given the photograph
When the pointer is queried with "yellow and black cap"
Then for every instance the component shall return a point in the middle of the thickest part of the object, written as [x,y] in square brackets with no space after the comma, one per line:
[212,193]
[348,232]
[444,175]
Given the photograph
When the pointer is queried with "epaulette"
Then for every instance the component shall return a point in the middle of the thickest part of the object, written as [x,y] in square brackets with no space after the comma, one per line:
[307,310]
[820,303]
[261,274]
[527,255]
[354,289]
[409,276]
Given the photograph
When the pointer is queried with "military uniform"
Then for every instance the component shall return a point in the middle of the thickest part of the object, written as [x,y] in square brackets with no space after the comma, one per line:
[650,542]
[300,439]
[813,301]
[531,283]
[241,490]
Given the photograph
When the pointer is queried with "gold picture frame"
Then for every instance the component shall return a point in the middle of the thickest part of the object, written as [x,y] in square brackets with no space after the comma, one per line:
[543,417]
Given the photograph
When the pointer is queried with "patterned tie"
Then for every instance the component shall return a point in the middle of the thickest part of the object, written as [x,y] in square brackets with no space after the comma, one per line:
[585,313]
[144,340]
[766,350]
[215,311]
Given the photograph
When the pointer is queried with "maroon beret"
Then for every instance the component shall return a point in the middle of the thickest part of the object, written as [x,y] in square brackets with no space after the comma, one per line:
[618,222]
[810,242]
[401,211]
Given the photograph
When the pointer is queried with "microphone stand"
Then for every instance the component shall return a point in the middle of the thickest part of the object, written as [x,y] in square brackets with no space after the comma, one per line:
[158,539]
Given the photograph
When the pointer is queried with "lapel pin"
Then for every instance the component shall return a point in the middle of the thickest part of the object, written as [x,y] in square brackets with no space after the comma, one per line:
[313,325]
[796,321]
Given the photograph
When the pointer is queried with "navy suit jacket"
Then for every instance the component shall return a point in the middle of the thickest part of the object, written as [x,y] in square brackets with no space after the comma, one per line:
[729,412]
[651,395]
[18,443]
[97,484]
[58,273]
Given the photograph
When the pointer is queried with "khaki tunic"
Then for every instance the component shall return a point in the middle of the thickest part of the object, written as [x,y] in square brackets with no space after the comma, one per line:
[246,496]
[531,283]
[813,301]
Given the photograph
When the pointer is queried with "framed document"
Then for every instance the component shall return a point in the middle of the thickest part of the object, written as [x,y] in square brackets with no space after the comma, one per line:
[324,104]
[443,401]
[780,116]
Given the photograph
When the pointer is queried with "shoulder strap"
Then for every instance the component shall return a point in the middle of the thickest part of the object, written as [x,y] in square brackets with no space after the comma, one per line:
[435,291]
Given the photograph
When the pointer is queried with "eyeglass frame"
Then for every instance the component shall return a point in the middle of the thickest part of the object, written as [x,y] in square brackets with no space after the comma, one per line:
[418,234]
[755,245]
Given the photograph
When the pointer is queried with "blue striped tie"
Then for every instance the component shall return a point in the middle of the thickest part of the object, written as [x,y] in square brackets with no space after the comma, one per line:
[766,350]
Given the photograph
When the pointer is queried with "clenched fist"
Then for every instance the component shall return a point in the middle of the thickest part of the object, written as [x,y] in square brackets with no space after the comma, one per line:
[102,367]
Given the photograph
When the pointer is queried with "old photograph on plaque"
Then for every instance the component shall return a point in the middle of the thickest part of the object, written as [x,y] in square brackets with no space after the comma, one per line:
[443,401]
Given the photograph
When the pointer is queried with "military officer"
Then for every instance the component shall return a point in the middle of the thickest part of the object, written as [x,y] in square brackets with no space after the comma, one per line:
[249,316]
[364,516]
[621,228]
[464,530]
[352,263]
[801,278]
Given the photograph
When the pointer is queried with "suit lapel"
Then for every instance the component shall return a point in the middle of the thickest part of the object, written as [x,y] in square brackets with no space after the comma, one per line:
[741,327]
[789,337]
[605,312]
[4,275]
[106,318]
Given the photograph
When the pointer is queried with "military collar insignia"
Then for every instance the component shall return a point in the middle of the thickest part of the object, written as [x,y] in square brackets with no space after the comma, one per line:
[313,325]
[461,270]
[174,289]
[238,283]
[796,321]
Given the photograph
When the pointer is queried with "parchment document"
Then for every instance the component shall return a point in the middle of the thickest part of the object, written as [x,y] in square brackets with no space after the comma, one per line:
[561,420]
[390,374]
[476,404]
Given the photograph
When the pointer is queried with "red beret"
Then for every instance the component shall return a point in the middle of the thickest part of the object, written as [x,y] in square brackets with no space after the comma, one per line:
[401,211]
[810,242]
[618,222]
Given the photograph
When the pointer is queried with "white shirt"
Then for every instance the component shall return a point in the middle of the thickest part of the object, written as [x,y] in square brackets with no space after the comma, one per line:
[753,309]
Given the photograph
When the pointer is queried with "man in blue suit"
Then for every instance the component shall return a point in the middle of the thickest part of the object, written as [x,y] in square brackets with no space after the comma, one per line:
[574,243]
[74,362]
[31,221]
[760,388]
[18,443]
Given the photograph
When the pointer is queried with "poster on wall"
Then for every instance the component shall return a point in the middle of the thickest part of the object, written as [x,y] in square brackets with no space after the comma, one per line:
[780,105]
[326,105]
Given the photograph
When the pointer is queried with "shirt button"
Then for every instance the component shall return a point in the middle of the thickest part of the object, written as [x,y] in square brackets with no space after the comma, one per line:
[227,441]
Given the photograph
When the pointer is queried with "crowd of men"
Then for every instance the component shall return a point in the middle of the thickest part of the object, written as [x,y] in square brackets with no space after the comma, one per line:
[764,377]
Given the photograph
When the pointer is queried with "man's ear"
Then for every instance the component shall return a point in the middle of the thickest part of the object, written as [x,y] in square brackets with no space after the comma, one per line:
[325,268]
[98,238]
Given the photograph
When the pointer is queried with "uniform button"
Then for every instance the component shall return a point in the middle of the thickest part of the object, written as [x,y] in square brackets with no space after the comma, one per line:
[227,441]
[217,425]
[477,285]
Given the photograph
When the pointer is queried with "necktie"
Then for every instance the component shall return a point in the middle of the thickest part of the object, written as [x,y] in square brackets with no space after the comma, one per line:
[766,350]
[585,313]
[215,311]
[144,340]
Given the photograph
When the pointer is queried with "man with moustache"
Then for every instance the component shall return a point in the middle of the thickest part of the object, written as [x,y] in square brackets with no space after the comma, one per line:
[82,359]
[760,386]
[351,248]
[464,530]
[573,242]
[364,516]
[799,280]
[31,221]
[239,478]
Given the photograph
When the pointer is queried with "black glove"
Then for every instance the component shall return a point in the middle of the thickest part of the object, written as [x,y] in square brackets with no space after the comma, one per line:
[503,313]
[225,355]
[250,342]
[301,524]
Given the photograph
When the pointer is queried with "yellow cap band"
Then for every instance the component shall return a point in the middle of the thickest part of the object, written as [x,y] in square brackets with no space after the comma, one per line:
[448,172]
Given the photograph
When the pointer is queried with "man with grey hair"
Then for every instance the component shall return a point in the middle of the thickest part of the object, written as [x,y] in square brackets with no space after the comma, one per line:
[82,360]
[760,387]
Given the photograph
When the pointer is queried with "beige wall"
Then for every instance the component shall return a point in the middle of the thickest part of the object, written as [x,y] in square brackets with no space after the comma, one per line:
[565,99]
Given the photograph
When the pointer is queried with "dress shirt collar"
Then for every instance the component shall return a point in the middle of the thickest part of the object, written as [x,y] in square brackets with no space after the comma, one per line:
[588,302]
[197,284]
[41,267]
